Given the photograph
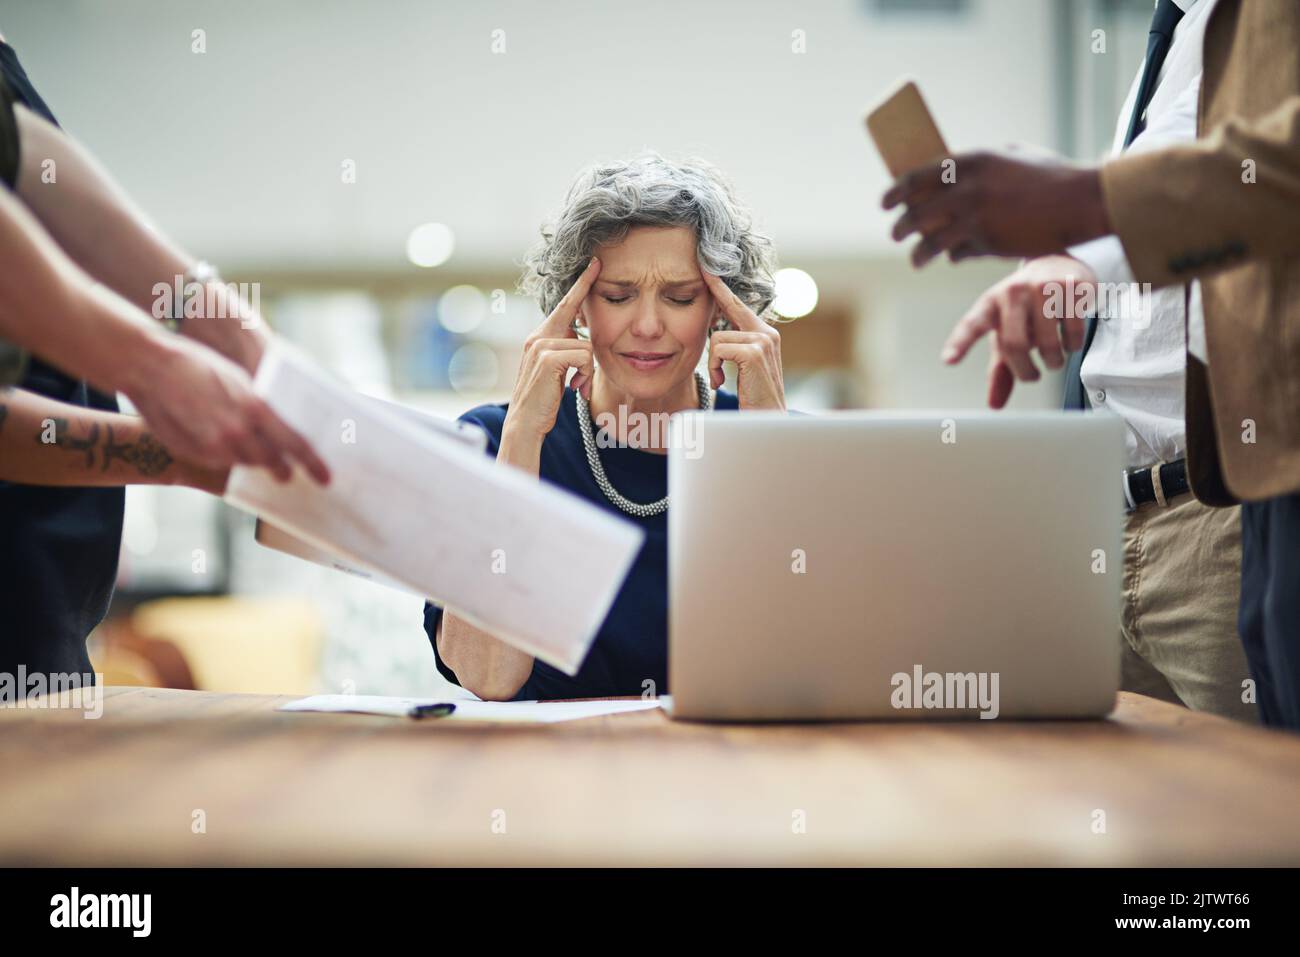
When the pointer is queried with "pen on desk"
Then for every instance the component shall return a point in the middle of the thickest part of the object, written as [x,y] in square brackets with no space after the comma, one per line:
[440,710]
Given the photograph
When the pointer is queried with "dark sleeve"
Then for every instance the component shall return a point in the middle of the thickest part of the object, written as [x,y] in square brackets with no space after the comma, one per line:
[8,137]
[15,87]
[490,418]
[13,361]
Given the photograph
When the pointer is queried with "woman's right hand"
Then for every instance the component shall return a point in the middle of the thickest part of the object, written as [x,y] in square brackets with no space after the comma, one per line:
[549,353]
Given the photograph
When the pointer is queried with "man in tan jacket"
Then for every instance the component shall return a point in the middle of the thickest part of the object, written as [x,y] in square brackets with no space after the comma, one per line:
[1224,210]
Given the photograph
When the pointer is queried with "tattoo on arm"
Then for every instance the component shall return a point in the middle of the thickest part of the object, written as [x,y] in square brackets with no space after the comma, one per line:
[148,455]
[61,435]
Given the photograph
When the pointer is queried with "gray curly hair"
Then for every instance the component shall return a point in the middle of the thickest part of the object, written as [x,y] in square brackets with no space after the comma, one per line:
[608,199]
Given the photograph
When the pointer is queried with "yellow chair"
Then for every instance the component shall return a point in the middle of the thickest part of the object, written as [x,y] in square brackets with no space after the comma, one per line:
[237,644]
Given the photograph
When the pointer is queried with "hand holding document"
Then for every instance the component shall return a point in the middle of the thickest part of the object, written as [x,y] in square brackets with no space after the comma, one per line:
[533,565]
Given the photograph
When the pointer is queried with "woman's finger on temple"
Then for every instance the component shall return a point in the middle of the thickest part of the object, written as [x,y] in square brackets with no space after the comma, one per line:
[560,321]
[732,306]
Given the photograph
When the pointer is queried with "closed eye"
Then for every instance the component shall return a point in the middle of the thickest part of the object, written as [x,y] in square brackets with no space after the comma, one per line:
[617,300]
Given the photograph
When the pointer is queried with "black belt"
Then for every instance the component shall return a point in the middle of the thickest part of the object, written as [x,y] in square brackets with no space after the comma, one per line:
[1143,486]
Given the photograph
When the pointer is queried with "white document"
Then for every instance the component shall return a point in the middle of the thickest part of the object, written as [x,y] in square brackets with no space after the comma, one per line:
[534,565]
[473,437]
[543,712]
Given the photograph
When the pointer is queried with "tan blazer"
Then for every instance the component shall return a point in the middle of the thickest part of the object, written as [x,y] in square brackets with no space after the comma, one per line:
[1194,212]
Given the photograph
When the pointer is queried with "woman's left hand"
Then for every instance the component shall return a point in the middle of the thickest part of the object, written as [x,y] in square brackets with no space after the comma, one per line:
[751,343]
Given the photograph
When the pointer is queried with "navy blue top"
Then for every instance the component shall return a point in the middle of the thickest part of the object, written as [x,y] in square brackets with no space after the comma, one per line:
[58,546]
[631,646]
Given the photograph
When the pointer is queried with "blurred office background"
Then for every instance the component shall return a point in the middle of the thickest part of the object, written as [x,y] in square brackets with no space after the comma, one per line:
[378,167]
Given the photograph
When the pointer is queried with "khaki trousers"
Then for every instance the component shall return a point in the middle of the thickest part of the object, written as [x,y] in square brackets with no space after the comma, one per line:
[1178,625]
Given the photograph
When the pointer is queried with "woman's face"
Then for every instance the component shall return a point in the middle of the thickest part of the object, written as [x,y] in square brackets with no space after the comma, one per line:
[649,310]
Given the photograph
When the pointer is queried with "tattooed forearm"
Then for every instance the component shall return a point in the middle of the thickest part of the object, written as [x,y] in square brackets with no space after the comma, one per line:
[57,432]
[87,448]
[147,455]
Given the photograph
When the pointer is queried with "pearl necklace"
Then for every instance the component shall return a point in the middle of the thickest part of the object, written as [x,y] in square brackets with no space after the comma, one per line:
[639,509]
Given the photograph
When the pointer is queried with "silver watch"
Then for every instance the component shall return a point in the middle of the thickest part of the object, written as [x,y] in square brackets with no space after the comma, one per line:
[194,282]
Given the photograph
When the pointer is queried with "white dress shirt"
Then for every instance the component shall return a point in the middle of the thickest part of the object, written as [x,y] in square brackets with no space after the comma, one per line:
[1135,366]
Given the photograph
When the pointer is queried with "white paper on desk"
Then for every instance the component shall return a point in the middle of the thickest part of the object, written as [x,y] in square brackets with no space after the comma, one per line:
[529,563]
[543,712]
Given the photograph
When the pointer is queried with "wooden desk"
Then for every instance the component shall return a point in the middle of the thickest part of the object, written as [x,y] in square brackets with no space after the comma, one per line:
[279,788]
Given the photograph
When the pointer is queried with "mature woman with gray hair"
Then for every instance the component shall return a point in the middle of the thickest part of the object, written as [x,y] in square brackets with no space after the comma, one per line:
[648,262]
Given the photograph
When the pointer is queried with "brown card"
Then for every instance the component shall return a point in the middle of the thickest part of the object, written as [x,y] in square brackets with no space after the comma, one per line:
[904,131]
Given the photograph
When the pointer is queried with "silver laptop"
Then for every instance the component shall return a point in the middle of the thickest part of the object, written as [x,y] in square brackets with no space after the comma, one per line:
[896,566]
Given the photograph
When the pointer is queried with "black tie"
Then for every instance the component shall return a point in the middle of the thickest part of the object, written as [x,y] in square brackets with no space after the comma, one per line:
[1159,40]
